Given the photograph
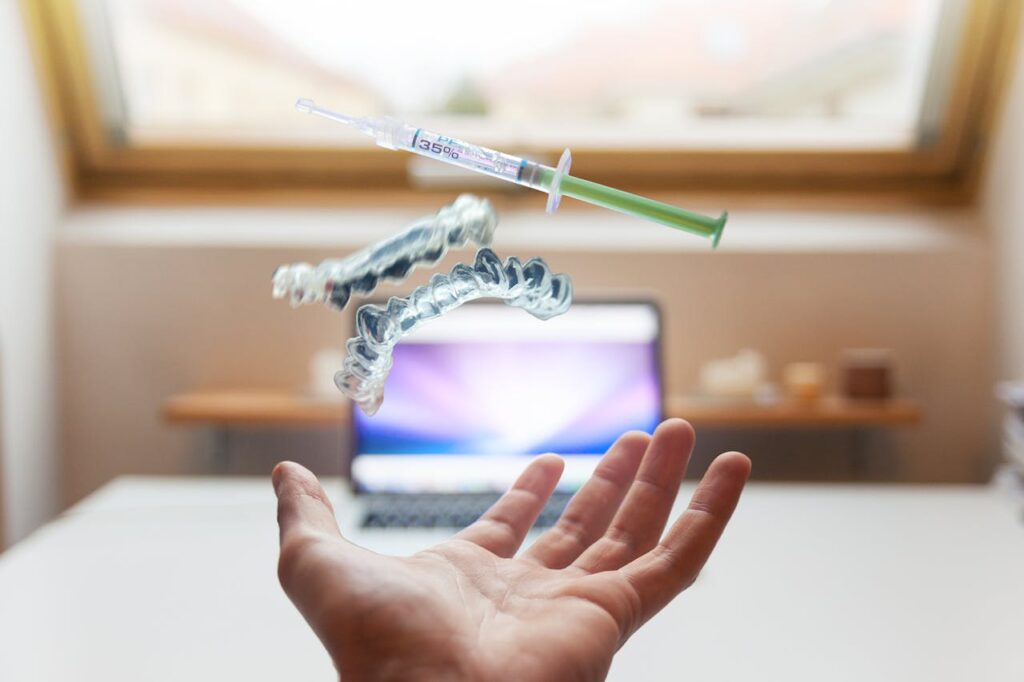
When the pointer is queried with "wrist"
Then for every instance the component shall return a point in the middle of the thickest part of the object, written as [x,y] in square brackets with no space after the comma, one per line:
[401,669]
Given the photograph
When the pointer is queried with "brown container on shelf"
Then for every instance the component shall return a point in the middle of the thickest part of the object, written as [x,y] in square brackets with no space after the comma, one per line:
[867,373]
[804,381]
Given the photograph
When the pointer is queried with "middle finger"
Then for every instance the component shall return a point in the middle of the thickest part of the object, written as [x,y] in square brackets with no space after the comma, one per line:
[592,508]
[640,520]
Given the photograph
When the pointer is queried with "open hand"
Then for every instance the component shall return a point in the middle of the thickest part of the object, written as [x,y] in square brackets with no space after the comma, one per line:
[471,609]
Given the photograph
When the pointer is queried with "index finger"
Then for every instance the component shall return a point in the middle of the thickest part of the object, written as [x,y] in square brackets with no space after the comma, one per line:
[672,566]
[503,527]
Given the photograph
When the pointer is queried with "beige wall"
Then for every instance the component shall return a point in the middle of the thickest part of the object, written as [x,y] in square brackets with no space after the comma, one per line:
[142,316]
[1003,208]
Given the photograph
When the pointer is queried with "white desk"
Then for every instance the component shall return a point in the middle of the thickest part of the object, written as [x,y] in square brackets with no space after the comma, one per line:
[174,579]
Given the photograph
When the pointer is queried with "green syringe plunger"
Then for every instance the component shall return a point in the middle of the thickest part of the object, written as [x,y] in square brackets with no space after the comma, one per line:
[556,182]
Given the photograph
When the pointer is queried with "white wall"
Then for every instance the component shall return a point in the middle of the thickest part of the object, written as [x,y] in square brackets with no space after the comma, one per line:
[31,201]
[1003,209]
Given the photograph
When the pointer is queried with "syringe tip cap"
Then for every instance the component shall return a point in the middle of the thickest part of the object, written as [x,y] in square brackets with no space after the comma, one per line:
[716,236]
[305,105]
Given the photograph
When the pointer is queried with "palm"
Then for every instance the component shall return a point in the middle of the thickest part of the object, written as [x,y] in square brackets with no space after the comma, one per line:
[496,608]
[468,608]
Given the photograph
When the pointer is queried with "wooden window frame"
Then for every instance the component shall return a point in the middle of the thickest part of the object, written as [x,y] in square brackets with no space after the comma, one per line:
[946,172]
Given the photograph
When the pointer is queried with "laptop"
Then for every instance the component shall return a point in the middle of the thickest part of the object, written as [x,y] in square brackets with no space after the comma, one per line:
[472,396]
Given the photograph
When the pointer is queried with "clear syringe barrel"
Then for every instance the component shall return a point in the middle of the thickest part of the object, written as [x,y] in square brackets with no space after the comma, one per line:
[470,156]
[393,134]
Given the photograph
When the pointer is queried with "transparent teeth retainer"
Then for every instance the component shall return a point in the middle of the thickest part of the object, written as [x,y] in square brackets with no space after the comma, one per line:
[529,286]
[467,219]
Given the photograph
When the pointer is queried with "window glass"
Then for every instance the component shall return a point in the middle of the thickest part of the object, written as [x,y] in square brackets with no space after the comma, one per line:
[747,74]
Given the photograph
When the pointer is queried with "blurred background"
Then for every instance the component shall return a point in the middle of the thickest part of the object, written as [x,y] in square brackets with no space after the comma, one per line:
[859,332]
[155,174]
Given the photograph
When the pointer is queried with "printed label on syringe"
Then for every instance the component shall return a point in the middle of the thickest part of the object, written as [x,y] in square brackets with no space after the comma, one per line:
[473,157]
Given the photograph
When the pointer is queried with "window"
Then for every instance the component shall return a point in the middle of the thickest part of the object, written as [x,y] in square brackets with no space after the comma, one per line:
[666,93]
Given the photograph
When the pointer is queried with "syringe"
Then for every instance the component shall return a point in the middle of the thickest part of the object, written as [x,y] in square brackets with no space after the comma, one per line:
[393,134]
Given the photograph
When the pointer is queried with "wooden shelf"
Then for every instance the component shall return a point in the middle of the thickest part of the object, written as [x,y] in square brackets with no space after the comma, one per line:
[828,412]
[252,407]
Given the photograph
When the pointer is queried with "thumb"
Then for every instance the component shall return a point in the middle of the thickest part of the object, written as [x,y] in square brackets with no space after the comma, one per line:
[310,541]
[303,509]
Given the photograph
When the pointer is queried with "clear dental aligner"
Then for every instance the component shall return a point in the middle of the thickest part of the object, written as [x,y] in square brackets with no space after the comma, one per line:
[529,286]
[468,218]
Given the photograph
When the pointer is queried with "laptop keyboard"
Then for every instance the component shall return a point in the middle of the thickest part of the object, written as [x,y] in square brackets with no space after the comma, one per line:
[436,510]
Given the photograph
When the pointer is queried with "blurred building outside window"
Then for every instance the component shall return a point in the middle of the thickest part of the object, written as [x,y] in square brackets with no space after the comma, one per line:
[730,74]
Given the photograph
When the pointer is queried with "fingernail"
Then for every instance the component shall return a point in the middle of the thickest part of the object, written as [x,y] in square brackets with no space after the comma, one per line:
[275,477]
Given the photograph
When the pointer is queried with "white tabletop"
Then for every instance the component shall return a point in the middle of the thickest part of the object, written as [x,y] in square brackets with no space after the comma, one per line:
[174,579]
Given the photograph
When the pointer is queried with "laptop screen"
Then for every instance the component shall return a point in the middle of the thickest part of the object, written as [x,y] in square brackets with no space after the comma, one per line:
[472,394]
